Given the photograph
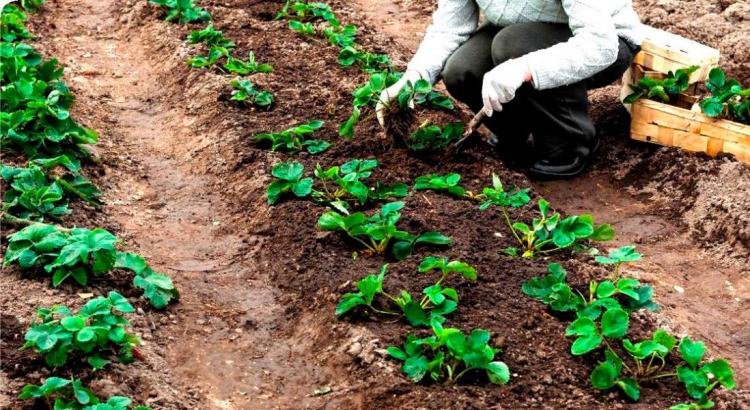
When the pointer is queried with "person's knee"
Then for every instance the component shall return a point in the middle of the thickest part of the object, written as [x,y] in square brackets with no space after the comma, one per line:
[520,39]
[458,76]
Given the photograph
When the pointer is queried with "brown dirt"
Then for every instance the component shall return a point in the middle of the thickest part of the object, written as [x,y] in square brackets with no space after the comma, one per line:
[255,328]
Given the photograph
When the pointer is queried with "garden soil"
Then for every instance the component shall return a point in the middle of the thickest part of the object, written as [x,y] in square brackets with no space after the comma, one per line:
[184,186]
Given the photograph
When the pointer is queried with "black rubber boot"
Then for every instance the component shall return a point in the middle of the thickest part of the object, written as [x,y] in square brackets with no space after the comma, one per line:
[569,164]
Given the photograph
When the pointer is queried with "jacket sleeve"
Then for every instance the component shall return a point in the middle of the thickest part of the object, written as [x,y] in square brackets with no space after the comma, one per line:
[592,48]
[452,24]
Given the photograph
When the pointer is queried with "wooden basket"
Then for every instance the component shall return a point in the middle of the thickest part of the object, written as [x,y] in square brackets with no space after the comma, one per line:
[663,52]
[689,129]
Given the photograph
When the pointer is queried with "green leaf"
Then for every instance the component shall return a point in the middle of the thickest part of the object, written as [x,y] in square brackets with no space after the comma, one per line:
[630,387]
[416,368]
[73,323]
[615,323]
[498,373]
[692,352]
[585,344]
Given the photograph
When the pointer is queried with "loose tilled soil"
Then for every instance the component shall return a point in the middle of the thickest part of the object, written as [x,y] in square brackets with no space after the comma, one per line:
[255,328]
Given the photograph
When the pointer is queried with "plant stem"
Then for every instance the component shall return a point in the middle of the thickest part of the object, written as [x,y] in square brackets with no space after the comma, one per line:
[385,312]
[459,375]
[510,225]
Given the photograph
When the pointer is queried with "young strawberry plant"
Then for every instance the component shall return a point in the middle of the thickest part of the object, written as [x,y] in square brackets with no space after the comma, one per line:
[184,11]
[448,355]
[304,11]
[497,195]
[728,98]
[448,183]
[13,24]
[246,92]
[237,66]
[34,119]
[306,29]
[617,257]
[378,232]
[435,304]
[80,254]
[341,184]
[665,90]
[210,37]
[551,233]
[215,53]
[70,394]
[290,179]
[368,62]
[430,137]
[295,139]
[31,194]
[97,330]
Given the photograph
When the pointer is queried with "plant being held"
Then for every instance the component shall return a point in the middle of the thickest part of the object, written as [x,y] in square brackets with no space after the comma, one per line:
[448,355]
[97,330]
[378,232]
[665,90]
[184,11]
[295,139]
[70,394]
[728,98]
[290,179]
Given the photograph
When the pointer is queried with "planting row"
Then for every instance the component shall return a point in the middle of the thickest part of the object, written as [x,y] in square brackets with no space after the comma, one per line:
[37,128]
[447,354]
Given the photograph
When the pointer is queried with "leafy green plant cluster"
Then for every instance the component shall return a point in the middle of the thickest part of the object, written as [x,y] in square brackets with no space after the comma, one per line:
[13,24]
[378,232]
[666,89]
[436,302]
[295,139]
[35,118]
[71,394]
[80,254]
[339,187]
[728,98]
[32,194]
[98,329]
[183,11]
[246,92]
[550,232]
[449,354]
[602,323]
[431,137]
[367,95]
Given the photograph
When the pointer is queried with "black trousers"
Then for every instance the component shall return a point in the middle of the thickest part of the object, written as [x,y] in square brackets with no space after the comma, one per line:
[557,118]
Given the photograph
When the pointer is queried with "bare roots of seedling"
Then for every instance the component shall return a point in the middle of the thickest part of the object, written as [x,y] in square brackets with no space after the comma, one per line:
[399,123]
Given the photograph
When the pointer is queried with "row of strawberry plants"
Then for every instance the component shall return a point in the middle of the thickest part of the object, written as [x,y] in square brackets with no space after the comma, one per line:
[311,19]
[36,124]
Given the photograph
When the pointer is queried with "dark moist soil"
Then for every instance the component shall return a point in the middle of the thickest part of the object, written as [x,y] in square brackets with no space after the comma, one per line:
[309,270]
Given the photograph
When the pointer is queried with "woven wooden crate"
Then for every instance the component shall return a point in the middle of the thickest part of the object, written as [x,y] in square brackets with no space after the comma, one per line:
[663,52]
[690,130]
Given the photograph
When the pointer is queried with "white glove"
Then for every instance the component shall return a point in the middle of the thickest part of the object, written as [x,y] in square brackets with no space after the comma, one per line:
[501,83]
[390,93]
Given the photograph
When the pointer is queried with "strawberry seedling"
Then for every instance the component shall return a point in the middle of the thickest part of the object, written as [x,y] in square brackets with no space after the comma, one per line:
[215,53]
[13,24]
[551,233]
[304,11]
[429,137]
[290,179]
[70,394]
[728,98]
[378,232]
[184,11]
[245,92]
[295,139]
[346,36]
[33,195]
[498,196]
[306,29]
[617,257]
[210,37]
[97,330]
[436,303]
[448,183]
[339,185]
[369,62]
[664,90]
[79,254]
[237,66]
[448,355]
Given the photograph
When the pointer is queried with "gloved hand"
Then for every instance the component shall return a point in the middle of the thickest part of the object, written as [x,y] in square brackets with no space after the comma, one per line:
[501,83]
[390,93]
